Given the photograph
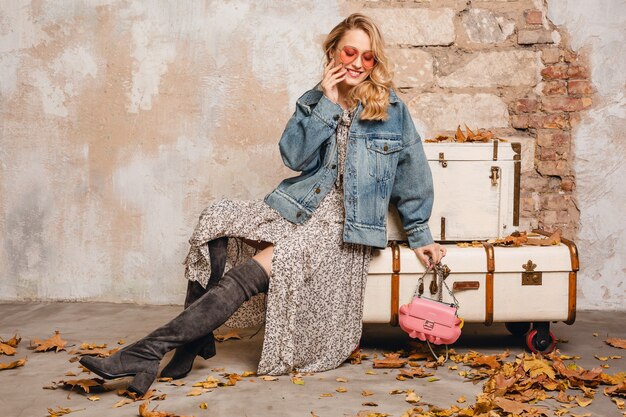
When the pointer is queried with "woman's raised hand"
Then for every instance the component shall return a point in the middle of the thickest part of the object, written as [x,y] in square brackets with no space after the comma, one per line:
[332,77]
[434,251]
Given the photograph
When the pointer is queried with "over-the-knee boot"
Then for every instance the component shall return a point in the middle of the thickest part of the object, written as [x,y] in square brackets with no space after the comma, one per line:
[182,361]
[141,359]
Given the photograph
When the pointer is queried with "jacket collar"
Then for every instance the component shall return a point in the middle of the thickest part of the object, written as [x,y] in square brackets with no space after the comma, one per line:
[314,95]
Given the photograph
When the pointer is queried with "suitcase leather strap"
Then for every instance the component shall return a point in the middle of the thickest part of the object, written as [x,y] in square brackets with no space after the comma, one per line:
[395,282]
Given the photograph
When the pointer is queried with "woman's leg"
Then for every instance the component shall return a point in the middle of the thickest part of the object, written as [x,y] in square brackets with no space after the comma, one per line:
[141,359]
[182,361]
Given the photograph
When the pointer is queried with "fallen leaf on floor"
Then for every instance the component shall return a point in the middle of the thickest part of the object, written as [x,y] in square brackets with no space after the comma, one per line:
[164,379]
[197,391]
[619,403]
[392,360]
[341,389]
[326,394]
[99,352]
[461,399]
[88,346]
[121,342]
[60,411]
[397,391]
[516,407]
[93,398]
[412,397]
[144,412]
[269,378]
[233,334]
[615,342]
[248,373]
[370,372]
[583,402]
[13,342]
[209,382]
[369,404]
[297,380]
[6,349]
[595,335]
[86,385]
[123,402]
[366,393]
[204,406]
[55,342]
[433,379]
[341,379]
[11,365]
[177,383]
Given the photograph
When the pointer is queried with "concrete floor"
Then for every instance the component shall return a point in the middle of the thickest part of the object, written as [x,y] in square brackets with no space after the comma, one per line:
[21,393]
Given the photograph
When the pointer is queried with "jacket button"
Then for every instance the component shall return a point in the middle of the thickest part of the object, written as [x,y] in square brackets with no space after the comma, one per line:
[385,148]
[336,117]
[317,190]
[333,166]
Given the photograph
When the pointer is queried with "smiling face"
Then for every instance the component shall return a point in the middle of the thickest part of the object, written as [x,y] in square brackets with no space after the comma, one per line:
[357,72]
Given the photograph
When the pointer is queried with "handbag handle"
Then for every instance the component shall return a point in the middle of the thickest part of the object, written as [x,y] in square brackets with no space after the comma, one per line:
[440,271]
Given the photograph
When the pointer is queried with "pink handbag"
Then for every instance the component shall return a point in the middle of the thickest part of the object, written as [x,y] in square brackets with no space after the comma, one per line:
[430,320]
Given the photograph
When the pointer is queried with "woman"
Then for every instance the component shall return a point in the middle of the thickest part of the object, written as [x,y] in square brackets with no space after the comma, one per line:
[356,148]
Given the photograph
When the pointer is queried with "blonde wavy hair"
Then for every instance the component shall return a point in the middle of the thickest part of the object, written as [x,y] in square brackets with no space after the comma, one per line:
[373,92]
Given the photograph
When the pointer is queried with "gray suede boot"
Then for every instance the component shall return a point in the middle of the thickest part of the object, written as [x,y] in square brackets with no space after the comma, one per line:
[141,359]
[182,361]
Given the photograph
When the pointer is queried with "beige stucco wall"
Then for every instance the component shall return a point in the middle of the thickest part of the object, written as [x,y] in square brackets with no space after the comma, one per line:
[122,120]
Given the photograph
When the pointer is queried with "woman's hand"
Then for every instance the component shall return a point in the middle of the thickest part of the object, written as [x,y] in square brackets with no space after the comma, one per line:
[435,251]
[332,77]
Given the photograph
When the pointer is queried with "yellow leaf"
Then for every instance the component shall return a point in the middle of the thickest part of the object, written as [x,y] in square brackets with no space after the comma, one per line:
[369,404]
[326,395]
[433,379]
[461,399]
[366,393]
[342,389]
[248,373]
[233,334]
[341,379]
[6,349]
[195,392]
[370,372]
[297,380]
[583,402]
[269,378]
[93,398]
[204,406]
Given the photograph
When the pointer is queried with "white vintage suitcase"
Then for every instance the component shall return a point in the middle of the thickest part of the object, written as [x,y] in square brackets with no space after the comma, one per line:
[477,189]
[520,286]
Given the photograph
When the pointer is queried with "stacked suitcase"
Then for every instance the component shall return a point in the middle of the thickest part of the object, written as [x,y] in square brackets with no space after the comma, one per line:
[477,189]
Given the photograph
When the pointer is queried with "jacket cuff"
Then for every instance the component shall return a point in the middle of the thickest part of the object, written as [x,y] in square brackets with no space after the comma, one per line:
[419,236]
[328,112]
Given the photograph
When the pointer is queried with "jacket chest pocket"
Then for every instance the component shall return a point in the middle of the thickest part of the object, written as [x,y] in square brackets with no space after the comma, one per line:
[382,155]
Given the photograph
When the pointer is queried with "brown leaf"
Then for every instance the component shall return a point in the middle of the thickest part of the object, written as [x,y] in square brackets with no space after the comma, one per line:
[85,384]
[13,342]
[366,393]
[615,342]
[392,360]
[6,349]
[55,342]
[233,334]
[144,412]
[14,364]
[516,407]
[459,136]
[554,239]
[60,411]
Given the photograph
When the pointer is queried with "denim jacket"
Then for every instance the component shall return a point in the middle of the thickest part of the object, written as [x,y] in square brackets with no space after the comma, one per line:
[385,162]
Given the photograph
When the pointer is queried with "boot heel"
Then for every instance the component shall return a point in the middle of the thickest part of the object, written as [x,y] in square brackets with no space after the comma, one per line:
[141,383]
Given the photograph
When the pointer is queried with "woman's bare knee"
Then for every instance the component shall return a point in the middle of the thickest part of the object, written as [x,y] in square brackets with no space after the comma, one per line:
[264,257]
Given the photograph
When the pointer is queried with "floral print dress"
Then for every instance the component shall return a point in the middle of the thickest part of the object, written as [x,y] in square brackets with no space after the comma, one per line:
[314,306]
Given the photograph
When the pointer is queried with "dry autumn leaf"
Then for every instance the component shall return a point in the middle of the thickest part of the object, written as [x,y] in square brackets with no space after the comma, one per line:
[233,334]
[13,342]
[55,342]
[60,411]
[144,412]
[12,365]
[392,360]
[6,349]
[615,342]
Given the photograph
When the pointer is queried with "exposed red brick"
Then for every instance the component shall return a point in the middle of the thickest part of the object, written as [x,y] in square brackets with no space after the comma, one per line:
[570,56]
[550,55]
[533,16]
[567,184]
[559,168]
[579,87]
[526,105]
[557,87]
[577,71]
[553,139]
[546,154]
[555,201]
[555,104]
[552,121]
[555,72]
[574,119]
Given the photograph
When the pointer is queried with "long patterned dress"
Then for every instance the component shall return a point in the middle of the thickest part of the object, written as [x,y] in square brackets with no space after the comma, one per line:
[314,306]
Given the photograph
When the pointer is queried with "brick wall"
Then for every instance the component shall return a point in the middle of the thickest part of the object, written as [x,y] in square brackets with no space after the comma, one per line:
[498,65]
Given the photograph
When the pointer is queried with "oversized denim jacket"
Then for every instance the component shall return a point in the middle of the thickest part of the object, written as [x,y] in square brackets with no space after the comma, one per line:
[385,162]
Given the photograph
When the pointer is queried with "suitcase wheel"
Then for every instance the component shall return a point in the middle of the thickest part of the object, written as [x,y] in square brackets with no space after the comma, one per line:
[517,328]
[540,342]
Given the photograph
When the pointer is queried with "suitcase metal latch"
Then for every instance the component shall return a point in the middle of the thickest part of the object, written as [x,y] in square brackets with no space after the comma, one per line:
[531,277]
[442,160]
[495,175]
